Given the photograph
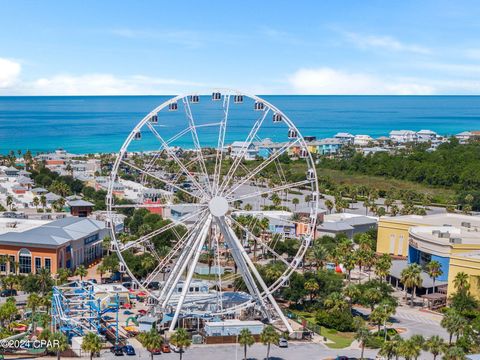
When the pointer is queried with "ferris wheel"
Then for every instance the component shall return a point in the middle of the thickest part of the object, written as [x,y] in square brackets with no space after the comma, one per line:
[217,166]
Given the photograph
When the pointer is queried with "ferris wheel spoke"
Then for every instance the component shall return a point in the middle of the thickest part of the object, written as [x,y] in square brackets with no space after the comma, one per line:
[198,249]
[163,262]
[196,141]
[262,166]
[236,251]
[270,190]
[169,183]
[161,230]
[177,160]
[246,144]
[220,144]
[237,246]
[181,263]
[218,267]
[260,241]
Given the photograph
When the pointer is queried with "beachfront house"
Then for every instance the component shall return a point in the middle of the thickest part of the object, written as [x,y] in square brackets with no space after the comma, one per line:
[403,136]
[266,147]
[466,136]
[345,138]
[237,149]
[328,146]
[426,135]
[362,140]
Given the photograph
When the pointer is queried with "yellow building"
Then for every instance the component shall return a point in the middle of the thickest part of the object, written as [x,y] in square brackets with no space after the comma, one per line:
[469,263]
[451,239]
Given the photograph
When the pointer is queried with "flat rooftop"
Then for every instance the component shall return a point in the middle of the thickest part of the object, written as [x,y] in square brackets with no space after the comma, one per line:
[449,219]
[8,225]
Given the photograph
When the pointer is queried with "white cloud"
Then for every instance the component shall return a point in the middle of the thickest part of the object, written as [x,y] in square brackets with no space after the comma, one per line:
[387,43]
[9,72]
[328,81]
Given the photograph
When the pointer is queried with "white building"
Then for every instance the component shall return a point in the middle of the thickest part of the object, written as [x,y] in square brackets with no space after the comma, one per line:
[237,148]
[232,327]
[465,136]
[426,135]
[362,140]
[345,138]
[403,136]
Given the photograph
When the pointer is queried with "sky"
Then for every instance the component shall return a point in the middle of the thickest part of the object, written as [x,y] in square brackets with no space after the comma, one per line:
[143,47]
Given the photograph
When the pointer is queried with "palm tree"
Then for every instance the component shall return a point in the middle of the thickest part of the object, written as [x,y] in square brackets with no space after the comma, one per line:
[320,254]
[269,336]
[181,340]
[91,343]
[81,271]
[33,301]
[44,279]
[329,205]
[454,353]
[311,286]
[434,270]
[349,263]
[246,339]
[383,265]
[351,292]
[335,302]
[410,349]
[295,202]
[107,244]
[43,201]
[63,275]
[461,282]
[435,345]
[36,202]
[101,270]
[9,201]
[58,343]
[453,322]
[411,278]
[150,340]
[362,335]
[389,348]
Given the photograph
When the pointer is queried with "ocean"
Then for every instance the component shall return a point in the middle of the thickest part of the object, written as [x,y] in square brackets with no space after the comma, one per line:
[92,124]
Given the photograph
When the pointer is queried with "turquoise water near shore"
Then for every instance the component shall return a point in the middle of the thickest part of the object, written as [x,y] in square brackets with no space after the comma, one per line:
[88,124]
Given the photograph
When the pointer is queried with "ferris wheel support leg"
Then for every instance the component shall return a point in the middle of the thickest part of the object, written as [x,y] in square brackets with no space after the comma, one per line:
[249,262]
[186,285]
[230,237]
[179,268]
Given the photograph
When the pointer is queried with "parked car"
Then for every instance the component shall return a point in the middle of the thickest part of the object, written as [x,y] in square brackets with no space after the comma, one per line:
[117,350]
[154,285]
[93,280]
[127,312]
[283,343]
[8,292]
[129,350]
[166,348]
[156,351]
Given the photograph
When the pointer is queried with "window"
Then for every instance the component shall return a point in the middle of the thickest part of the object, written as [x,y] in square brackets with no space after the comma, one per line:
[11,264]
[48,264]
[24,261]
[3,263]
[91,239]
[38,264]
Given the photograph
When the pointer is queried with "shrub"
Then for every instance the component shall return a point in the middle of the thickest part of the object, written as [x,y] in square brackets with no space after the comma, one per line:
[339,320]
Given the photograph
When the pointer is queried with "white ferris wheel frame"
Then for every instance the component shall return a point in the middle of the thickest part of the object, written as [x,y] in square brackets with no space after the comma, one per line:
[197,235]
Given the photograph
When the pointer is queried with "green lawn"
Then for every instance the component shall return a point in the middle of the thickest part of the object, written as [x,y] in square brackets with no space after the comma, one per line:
[340,339]
[441,195]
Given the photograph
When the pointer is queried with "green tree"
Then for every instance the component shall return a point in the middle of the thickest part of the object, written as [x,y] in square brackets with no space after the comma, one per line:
[181,340]
[382,266]
[461,282]
[434,270]
[312,287]
[246,339]
[63,275]
[58,343]
[453,322]
[362,335]
[92,344]
[33,301]
[411,278]
[150,340]
[454,353]
[329,205]
[81,271]
[435,345]
[9,201]
[269,336]
[410,349]
[295,202]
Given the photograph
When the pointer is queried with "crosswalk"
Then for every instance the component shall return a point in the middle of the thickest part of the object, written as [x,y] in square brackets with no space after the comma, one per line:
[418,318]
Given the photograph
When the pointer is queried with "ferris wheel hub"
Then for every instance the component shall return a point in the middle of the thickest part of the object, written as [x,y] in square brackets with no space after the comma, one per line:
[218,206]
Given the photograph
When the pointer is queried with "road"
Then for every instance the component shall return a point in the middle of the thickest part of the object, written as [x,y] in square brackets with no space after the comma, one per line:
[295,351]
